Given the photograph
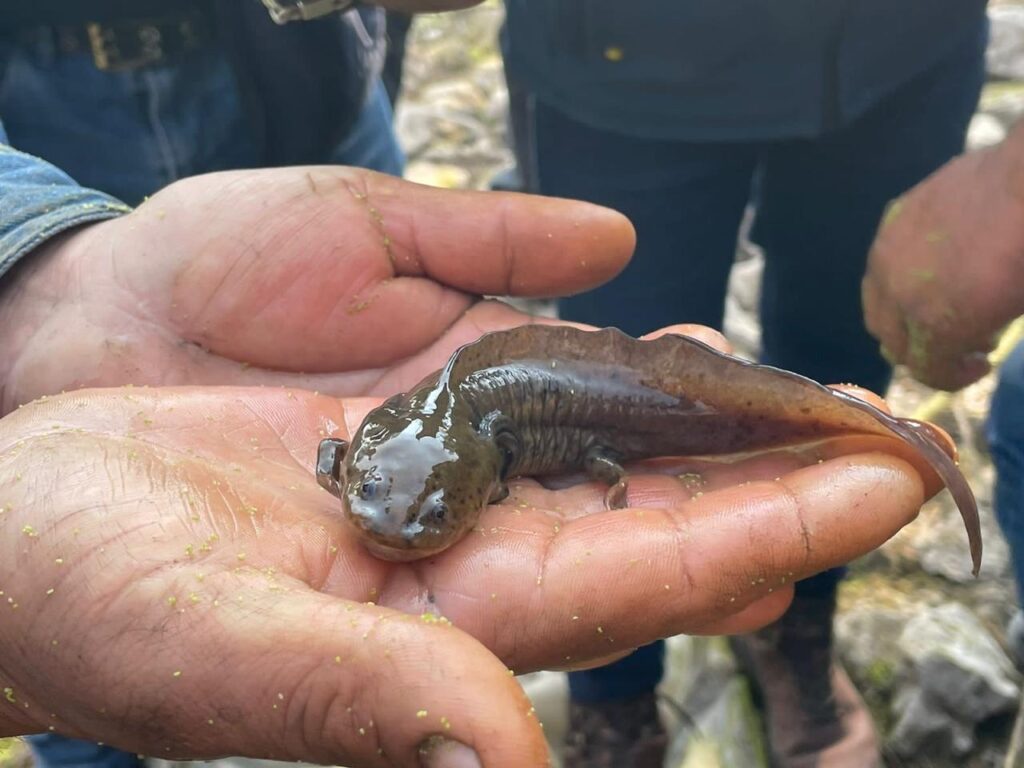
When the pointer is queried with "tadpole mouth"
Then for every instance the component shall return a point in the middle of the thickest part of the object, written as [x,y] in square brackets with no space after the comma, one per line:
[388,541]
[398,554]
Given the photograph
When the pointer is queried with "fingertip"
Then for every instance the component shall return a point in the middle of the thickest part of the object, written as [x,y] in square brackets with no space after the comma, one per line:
[600,241]
[702,333]
[866,395]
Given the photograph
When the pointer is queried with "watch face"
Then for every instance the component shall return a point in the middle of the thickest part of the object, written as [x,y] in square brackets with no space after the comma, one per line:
[283,11]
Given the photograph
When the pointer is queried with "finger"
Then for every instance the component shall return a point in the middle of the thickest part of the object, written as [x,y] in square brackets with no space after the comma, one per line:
[949,371]
[883,320]
[686,562]
[500,243]
[297,675]
[709,336]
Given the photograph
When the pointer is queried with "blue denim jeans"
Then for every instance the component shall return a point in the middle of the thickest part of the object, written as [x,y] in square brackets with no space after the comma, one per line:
[131,133]
[818,203]
[1005,432]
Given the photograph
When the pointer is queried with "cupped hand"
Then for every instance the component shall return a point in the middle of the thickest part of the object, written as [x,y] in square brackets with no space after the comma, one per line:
[176,583]
[943,273]
[323,278]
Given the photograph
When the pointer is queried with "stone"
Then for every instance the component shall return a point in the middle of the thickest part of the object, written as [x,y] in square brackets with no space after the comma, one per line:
[985,130]
[722,727]
[867,639]
[924,730]
[437,175]
[1005,54]
[958,678]
[942,546]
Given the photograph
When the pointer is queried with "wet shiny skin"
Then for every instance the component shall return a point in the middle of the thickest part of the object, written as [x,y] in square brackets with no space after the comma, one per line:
[540,400]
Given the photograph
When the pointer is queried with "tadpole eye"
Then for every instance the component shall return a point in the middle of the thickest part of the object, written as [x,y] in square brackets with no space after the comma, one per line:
[368,489]
[440,510]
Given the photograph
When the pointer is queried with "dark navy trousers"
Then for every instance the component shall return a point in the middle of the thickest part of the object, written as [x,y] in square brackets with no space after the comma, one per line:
[818,203]
[1006,442]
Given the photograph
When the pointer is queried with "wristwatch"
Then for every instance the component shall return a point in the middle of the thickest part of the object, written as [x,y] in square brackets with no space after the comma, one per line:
[283,11]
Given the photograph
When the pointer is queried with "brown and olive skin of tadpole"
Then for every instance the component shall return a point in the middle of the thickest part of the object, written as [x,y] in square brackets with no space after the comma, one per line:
[540,400]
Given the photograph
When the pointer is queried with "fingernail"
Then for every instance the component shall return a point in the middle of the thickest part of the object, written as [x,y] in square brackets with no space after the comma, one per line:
[439,752]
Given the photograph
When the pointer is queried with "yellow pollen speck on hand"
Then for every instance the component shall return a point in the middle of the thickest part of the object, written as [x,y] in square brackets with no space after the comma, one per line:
[421,713]
[176,673]
[172,601]
[59,561]
[29,531]
[49,591]
[337,659]
[240,555]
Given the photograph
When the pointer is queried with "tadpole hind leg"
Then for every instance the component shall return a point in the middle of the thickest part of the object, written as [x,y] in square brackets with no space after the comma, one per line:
[329,456]
[601,465]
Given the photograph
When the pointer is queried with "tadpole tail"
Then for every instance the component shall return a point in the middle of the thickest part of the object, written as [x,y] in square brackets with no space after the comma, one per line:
[933,449]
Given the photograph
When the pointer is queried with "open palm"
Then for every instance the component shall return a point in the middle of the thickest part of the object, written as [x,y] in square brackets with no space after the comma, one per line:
[179,585]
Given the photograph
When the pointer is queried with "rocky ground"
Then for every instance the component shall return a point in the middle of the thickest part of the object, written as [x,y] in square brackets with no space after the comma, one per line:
[923,640]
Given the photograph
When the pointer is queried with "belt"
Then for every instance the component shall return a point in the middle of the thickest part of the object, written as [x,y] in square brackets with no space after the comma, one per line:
[154,34]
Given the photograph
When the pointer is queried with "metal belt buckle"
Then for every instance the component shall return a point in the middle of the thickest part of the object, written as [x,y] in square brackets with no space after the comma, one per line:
[283,11]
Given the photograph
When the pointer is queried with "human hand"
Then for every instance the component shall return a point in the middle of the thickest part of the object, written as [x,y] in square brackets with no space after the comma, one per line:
[944,272]
[184,587]
[323,278]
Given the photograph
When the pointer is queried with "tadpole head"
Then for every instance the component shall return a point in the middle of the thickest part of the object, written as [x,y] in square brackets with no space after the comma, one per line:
[407,488]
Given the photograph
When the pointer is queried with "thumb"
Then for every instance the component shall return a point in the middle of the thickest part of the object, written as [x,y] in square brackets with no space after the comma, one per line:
[319,679]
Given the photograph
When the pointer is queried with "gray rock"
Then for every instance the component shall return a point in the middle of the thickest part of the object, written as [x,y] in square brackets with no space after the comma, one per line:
[867,638]
[924,730]
[726,730]
[741,325]
[957,676]
[942,547]
[1005,55]
[985,130]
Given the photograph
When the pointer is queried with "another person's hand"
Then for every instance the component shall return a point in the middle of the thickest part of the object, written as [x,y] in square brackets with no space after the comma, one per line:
[324,278]
[944,274]
[176,583]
